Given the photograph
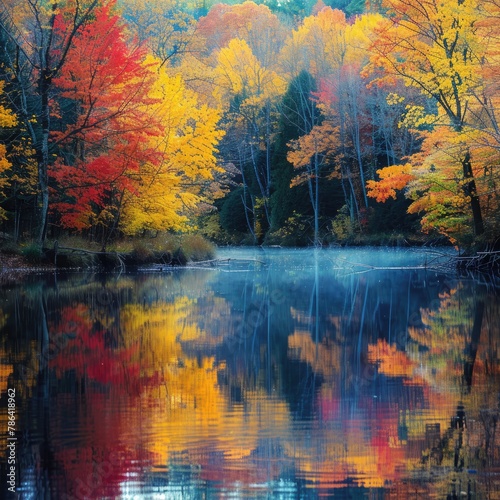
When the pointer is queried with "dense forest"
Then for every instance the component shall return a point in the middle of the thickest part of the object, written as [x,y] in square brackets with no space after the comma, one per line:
[278,123]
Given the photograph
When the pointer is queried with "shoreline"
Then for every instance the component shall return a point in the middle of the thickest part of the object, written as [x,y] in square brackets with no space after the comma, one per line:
[15,267]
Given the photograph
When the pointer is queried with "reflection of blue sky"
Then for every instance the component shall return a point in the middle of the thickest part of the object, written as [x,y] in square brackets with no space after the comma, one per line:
[308,289]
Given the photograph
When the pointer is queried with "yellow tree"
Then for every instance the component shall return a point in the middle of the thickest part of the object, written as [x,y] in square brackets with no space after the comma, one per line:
[318,45]
[249,91]
[324,42]
[7,120]
[239,72]
[433,46]
[256,24]
[438,189]
[169,191]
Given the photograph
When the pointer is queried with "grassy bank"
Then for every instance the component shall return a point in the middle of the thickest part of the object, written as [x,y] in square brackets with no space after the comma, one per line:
[74,252]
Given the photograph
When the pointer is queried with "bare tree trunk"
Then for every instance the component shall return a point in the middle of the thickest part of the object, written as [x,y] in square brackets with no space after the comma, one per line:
[246,209]
[263,189]
[356,141]
[107,236]
[43,162]
[316,200]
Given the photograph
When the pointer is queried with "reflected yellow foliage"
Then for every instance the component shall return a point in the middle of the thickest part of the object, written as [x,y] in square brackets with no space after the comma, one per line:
[324,357]
[185,401]
[197,411]
[445,328]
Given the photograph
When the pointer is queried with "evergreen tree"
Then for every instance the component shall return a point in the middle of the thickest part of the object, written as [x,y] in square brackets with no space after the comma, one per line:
[298,116]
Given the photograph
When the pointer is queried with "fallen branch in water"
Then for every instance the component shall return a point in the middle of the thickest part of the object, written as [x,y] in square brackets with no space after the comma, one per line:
[392,268]
[202,264]
[484,261]
[219,261]
[83,250]
[116,255]
[368,267]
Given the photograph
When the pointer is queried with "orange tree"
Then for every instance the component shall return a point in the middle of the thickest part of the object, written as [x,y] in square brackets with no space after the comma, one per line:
[435,47]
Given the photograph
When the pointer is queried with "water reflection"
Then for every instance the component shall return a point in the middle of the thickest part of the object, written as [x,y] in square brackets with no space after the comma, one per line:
[290,373]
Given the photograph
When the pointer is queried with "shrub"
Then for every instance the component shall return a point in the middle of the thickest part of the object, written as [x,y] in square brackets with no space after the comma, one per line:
[195,247]
[141,251]
[296,231]
[9,247]
[32,253]
[210,228]
[343,229]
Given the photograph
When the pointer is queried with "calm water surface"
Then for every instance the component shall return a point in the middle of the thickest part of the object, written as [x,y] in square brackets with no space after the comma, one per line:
[276,374]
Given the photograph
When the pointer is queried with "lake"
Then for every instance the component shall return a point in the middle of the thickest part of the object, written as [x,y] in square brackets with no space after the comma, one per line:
[339,373]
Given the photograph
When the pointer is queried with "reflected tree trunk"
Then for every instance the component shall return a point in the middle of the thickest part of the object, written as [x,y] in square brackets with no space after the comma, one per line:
[471,348]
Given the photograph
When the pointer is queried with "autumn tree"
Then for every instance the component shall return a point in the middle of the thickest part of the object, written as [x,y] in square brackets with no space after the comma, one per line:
[42,48]
[434,47]
[242,44]
[350,104]
[248,22]
[167,27]
[140,147]
[298,115]
[255,24]
[344,103]
[335,51]
[249,92]
[171,192]
[310,154]
[318,45]
[104,124]
[20,180]
[304,57]
[7,120]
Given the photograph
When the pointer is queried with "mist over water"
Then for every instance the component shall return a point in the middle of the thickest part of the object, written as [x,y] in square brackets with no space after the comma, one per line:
[275,373]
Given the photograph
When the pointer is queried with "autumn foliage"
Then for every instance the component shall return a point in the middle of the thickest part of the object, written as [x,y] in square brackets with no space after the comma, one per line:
[392,178]
[132,119]
[105,85]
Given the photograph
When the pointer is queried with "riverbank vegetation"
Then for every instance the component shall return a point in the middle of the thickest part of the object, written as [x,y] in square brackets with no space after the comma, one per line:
[276,123]
[76,252]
